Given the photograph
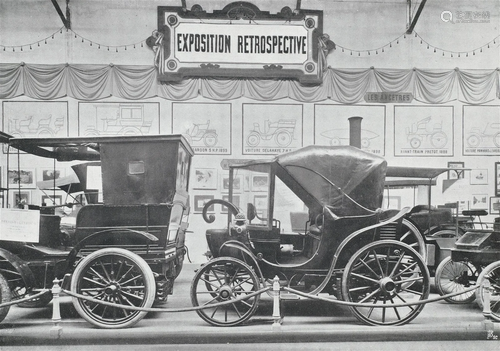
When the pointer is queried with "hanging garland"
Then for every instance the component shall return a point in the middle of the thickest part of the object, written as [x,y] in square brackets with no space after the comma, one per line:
[352,52]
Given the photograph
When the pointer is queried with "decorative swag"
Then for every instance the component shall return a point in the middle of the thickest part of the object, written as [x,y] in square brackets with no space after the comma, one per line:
[347,86]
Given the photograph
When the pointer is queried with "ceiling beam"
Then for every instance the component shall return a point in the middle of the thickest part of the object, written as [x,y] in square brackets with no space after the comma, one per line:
[65,19]
[415,19]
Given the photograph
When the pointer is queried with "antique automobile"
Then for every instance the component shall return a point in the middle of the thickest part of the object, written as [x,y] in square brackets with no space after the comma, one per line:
[440,226]
[474,259]
[312,218]
[127,246]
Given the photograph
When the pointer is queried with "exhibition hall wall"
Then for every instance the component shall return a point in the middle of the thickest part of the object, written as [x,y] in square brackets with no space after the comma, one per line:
[58,82]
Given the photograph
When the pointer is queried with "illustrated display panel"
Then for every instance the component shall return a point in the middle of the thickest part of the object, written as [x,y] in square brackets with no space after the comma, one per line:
[331,126]
[423,131]
[270,129]
[27,119]
[481,130]
[207,127]
[117,118]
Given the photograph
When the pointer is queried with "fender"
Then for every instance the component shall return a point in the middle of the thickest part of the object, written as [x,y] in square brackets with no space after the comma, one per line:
[74,252]
[19,267]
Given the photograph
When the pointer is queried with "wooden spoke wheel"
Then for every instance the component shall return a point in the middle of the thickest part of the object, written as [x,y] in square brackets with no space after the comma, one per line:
[386,273]
[492,273]
[453,277]
[117,276]
[225,279]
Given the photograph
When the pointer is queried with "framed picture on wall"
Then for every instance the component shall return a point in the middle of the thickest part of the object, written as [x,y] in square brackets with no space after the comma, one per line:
[237,183]
[50,174]
[260,182]
[236,202]
[455,174]
[19,198]
[479,202]
[22,178]
[495,205]
[205,178]
[51,200]
[200,201]
[479,177]
[497,178]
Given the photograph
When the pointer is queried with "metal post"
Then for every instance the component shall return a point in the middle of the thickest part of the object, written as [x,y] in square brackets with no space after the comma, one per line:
[486,298]
[56,330]
[276,304]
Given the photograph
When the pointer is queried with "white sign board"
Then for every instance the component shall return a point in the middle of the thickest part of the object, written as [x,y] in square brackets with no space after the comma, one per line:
[19,225]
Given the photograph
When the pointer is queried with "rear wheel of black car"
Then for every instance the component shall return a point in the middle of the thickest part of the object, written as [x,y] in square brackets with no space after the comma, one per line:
[453,277]
[492,274]
[113,275]
[382,276]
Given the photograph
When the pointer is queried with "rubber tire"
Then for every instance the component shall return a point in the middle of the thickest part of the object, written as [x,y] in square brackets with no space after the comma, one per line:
[5,296]
[147,275]
[441,289]
[495,266]
[363,253]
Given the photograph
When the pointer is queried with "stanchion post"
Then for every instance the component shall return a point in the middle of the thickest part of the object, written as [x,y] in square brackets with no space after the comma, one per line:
[276,304]
[56,330]
[486,298]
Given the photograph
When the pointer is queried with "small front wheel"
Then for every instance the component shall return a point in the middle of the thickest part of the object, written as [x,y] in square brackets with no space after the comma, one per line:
[491,273]
[453,277]
[117,276]
[384,274]
[222,280]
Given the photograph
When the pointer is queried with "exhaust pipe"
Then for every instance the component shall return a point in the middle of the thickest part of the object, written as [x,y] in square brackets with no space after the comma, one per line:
[355,131]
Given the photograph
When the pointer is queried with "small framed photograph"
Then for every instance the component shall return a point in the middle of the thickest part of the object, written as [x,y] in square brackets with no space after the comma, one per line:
[51,200]
[235,202]
[200,201]
[497,178]
[463,206]
[479,177]
[261,202]
[479,202]
[237,183]
[20,198]
[495,205]
[205,178]
[51,174]
[456,174]
[23,178]
[260,182]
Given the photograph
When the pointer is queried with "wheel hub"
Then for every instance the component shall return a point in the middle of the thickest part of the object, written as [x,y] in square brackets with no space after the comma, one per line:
[387,285]
[112,289]
[225,292]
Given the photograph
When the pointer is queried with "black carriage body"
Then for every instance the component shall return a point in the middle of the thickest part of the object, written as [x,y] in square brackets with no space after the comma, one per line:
[143,207]
[341,189]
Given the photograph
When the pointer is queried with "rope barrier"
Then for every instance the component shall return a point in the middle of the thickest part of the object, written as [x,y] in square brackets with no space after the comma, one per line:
[356,304]
[26,299]
[183,309]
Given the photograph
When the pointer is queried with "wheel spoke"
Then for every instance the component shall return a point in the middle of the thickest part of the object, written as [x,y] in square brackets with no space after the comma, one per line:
[369,268]
[104,270]
[365,278]
[369,296]
[126,274]
[378,263]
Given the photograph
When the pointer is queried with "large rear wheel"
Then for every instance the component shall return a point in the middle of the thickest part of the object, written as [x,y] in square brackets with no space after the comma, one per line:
[453,277]
[220,280]
[384,274]
[117,276]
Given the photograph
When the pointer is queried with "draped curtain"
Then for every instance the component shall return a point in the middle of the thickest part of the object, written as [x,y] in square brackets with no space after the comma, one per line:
[347,86]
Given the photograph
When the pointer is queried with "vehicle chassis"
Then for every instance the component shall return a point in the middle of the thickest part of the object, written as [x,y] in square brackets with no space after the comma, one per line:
[127,249]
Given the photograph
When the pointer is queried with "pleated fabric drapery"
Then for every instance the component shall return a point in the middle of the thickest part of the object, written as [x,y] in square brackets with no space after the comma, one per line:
[346,86]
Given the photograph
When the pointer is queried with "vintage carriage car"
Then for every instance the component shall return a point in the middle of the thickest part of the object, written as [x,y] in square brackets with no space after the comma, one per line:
[128,243]
[312,218]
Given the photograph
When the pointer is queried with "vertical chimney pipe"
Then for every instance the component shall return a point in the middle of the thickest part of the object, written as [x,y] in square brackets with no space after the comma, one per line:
[355,131]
